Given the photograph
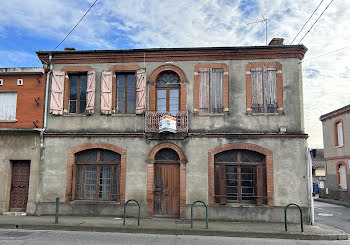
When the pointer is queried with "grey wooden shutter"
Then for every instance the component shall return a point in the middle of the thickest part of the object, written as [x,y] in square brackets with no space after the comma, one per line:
[216,90]
[257,89]
[270,95]
[204,89]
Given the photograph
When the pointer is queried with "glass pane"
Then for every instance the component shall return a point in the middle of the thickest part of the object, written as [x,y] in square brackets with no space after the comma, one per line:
[90,182]
[226,156]
[161,100]
[174,100]
[231,182]
[121,106]
[121,93]
[168,77]
[109,156]
[73,87]
[167,154]
[131,93]
[78,192]
[131,80]
[131,106]
[247,183]
[83,84]
[120,80]
[87,156]
[72,106]
[105,182]
[115,182]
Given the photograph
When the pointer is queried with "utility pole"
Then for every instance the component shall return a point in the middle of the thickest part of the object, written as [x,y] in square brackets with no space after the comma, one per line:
[261,21]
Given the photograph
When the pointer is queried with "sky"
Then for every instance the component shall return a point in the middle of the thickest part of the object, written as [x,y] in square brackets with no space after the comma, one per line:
[32,25]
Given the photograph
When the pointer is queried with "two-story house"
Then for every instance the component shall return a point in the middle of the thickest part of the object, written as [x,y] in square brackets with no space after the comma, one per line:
[336,141]
[21,120]
[168,126]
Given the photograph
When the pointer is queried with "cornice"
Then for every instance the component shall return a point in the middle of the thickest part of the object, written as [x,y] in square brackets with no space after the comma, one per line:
[173,55]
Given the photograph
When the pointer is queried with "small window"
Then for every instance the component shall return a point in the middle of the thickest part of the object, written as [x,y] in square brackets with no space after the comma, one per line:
[19,82]
[8,102]
[339,130]
[168,92]
[1,82]
[77,93]
[126,91]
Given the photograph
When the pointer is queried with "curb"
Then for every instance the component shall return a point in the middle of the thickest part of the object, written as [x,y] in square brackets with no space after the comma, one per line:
[277,235]
[332,201]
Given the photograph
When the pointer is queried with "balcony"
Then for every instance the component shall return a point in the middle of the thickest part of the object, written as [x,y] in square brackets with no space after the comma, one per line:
[152,121]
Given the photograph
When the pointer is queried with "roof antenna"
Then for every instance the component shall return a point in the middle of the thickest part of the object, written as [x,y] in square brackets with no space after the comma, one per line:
[261,21]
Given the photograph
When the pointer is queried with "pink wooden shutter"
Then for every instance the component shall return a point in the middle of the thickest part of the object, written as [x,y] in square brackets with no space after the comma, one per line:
[140,91]
[106,92]
[90,92]
[204,89]
[57,90]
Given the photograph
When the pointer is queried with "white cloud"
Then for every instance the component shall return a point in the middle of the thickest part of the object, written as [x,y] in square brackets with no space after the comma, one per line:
[113,24]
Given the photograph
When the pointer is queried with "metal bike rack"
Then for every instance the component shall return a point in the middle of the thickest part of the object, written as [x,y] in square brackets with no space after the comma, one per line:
[206,213]
[138,213]
[285,216]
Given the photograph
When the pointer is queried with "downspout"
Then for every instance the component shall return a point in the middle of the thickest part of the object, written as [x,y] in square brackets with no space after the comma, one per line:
[312,214]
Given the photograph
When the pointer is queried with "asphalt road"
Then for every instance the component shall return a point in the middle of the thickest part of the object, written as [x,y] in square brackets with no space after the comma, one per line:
[30,237]
[333,215]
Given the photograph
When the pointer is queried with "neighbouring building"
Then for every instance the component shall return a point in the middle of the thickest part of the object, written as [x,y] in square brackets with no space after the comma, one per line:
[319,168]
[21,120]
[336,141]
[169,126]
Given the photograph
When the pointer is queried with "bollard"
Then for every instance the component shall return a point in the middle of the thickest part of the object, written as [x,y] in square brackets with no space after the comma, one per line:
[57,209]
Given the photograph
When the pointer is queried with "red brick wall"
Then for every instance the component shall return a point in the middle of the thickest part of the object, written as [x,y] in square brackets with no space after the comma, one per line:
[27,110]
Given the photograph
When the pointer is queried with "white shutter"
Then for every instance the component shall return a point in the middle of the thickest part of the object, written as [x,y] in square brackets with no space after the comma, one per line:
[340,133]
[216,90]
[8,102]
[342,177]
[204,89]
[57,90]
[90,92]
[106,92]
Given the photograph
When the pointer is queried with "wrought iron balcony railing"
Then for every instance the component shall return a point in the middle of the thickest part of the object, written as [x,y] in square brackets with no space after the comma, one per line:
[152,121]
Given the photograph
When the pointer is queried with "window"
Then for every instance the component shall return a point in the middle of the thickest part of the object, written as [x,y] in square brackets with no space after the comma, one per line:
[264,88]
[240,176]
[126,90]
[1,82]
[211,89]
[264,94]
[8,102]
[342,176]
[168,88]
[73,91]
[77,93]
[339,140]
[19,82]
[97,175]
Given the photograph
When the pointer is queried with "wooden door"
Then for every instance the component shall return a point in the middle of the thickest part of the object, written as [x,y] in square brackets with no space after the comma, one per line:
[19,186]
[167,190]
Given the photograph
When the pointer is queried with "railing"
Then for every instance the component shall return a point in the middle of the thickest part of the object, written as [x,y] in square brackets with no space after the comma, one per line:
[152,121]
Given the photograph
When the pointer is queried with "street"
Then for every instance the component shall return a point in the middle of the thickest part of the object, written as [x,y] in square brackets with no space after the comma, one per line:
[30,237]
[333,215]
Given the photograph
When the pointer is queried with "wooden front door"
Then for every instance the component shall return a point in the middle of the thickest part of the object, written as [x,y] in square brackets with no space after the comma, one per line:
[19,186]
[167,190]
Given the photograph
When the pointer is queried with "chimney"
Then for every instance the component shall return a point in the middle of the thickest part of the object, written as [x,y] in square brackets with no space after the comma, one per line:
[276,42]
[68,48]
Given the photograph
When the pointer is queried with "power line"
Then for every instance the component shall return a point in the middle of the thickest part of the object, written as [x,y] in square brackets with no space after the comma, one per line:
[327,53]
[75,26]
[307,22]
[315,22]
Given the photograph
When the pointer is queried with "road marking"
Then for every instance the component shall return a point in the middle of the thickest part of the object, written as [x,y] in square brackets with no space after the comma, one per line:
[328,215]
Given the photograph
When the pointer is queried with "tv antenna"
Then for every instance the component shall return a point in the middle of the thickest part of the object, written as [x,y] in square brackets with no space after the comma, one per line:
[261,21]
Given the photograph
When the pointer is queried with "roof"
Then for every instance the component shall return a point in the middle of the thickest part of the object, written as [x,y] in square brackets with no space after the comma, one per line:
[21,70]
[335,113]
[319,161]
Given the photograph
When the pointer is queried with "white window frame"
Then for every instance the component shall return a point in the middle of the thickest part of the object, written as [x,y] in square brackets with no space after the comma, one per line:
[1,82]
[20,82]
[14,108]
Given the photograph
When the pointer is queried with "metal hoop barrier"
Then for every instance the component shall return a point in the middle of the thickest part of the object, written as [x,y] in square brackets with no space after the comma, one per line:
[206,213]
[138,213]
[285,216]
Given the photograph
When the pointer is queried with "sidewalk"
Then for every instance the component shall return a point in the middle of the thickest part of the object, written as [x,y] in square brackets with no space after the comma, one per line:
[173,227]
[332,201]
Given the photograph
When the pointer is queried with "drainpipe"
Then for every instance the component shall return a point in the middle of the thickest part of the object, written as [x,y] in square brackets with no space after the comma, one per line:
[312,214]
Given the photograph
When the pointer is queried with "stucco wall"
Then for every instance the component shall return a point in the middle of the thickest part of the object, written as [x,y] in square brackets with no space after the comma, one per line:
[19,146]
[237,121]
[288,157]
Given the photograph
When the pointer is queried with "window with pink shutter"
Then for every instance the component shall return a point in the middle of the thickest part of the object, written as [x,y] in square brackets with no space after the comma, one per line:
[106,92]
[57,89]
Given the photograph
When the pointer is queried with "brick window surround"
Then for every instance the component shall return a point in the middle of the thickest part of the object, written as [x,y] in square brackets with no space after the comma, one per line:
[279,84]
[225,85]
[241,146]
[335,131]
[152,86]
[71,162]
[150,177]
[346,174]
[67,70]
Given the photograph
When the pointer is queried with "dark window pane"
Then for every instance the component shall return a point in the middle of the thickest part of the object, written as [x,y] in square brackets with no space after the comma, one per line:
[87,156]
[121,94]
[78,192]
[115,182]
[174,100]
[120,81]
[161,100]
[105,182]
[73,87]
[131,93]
[131,80]
[90,182]
[167,154]
[168,77]
[121,106]
[109,156]
[131,106]
[72,106]
[82,106]
[82,91]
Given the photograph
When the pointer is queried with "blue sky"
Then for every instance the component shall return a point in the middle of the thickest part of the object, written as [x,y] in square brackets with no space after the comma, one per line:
[31,25]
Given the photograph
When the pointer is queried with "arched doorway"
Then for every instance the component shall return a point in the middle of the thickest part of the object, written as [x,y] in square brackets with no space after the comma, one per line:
[166,184]
[166,181]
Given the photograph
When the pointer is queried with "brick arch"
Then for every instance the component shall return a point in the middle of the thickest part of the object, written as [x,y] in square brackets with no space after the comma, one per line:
[157,71]
[150,177]
[241,146]
[152,86]
[71,162]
